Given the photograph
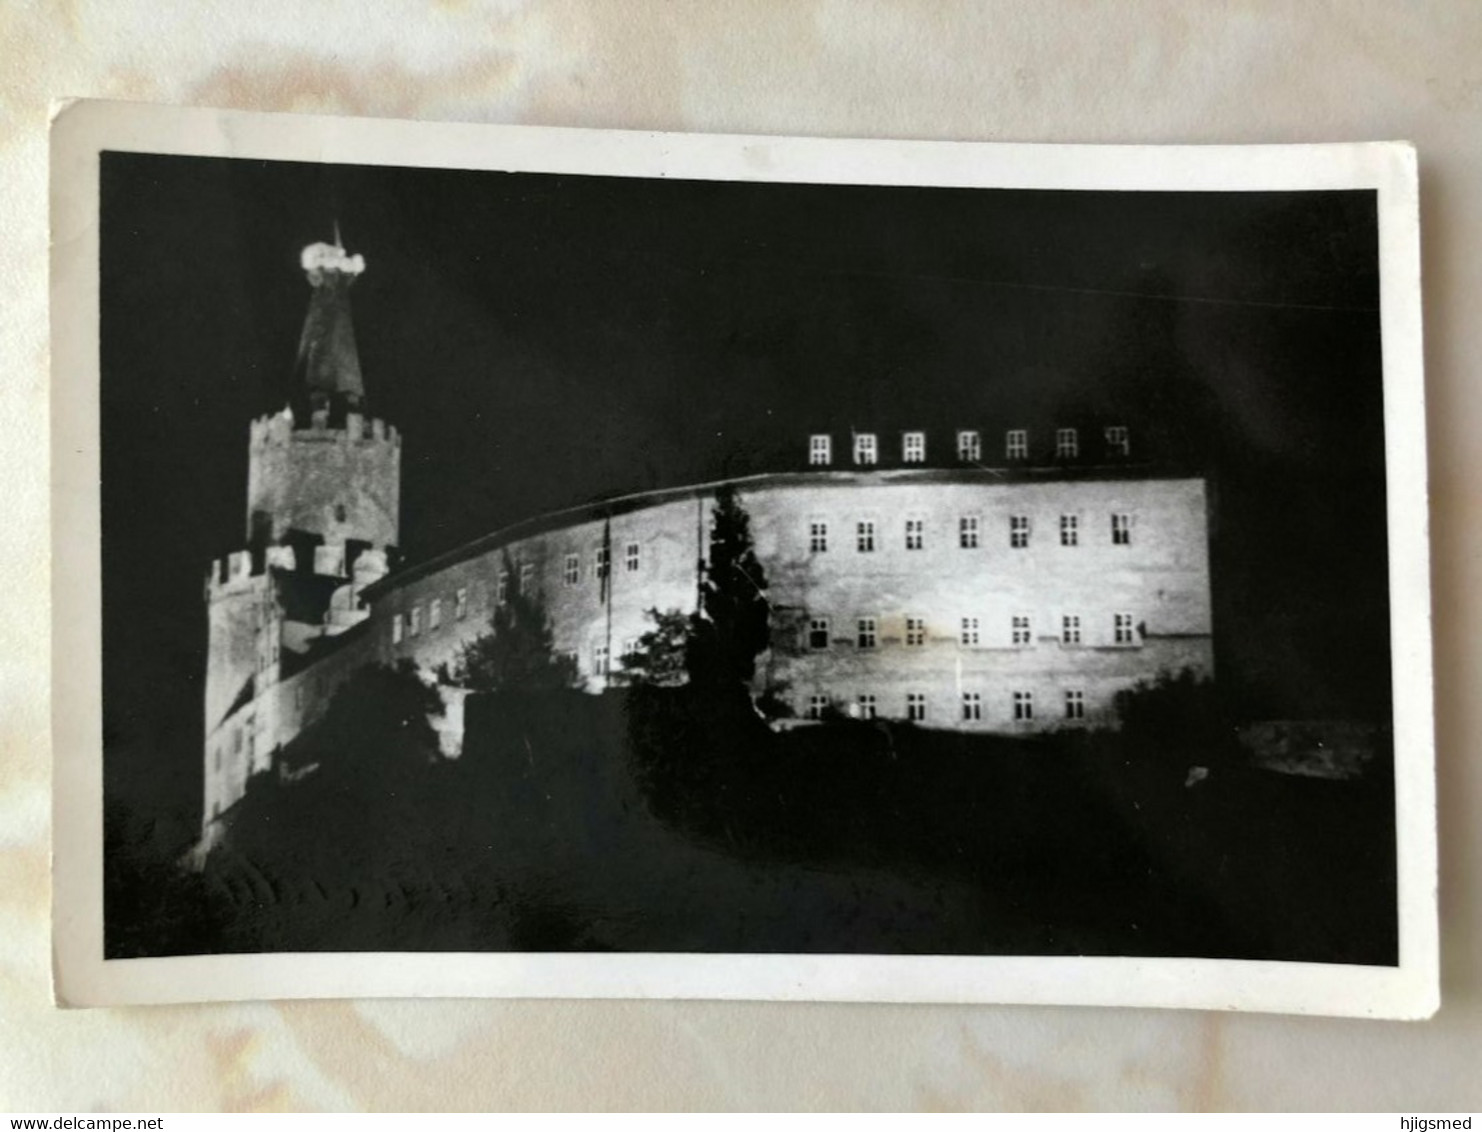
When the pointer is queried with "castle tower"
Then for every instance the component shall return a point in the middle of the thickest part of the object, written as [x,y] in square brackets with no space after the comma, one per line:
[320,472]
[323,496]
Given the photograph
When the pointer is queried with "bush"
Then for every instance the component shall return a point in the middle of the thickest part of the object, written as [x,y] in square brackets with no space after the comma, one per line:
[1179,713]
[377,727]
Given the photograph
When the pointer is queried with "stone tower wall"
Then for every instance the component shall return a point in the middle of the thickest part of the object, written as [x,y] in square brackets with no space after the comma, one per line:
[338,483]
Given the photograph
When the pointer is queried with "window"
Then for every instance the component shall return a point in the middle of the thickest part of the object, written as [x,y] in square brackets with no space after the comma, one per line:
[501,588]
[969,446]
[1067,444]
[1070,530]
[913,447]
[414,621]
[866,706]
[527,576]
[820,450]
[915,533]
[599,660]
[1020,628]
[1075,704]
[1018,531]
[571,571]
[1016,444]
[972,706]
[1070,629]
[967,532]
[218,760]
[867,636]
[817,705]
[916,707]
[630,648]
[1023,707]
[1118,443]
[1122,629]
[601,562]
[396,628]
[460,603]
[818,636]
[632,557]
[969,635]
[915,631]
[435,613]
[866,449]
[864,536]
[817,536]
[1121,530]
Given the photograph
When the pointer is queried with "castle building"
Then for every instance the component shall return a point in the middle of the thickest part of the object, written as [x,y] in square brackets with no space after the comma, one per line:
[1006,582]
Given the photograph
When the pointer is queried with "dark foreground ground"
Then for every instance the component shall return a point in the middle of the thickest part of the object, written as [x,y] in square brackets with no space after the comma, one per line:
[588,823]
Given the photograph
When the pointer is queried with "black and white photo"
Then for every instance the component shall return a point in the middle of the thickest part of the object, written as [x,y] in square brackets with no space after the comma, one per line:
[747,568]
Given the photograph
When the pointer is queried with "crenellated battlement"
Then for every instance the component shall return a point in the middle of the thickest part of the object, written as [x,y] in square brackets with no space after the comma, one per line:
[238,573]
[232,575]
[279,430]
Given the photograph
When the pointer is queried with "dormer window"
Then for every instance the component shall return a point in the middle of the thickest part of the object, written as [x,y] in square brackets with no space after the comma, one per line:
[820,450]
[1067,444]
[866,448]
[969,446]
[1118,443]
[1016,444]
[913,448]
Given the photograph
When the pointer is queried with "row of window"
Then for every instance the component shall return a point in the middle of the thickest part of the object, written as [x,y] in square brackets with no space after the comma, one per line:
[969,446]
[970,631]
[410,623]
[969,533]
[571,568]
[867,706]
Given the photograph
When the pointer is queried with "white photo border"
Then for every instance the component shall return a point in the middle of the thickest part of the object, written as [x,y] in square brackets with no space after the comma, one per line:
[81,975]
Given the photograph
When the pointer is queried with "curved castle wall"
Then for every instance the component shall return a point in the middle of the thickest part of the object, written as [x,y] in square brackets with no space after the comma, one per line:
[1038,588]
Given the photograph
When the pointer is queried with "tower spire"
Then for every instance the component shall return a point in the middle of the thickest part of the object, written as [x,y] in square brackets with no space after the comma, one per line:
[327,371]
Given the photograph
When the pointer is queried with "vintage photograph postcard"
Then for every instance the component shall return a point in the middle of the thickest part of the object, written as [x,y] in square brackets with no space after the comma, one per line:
[531,562]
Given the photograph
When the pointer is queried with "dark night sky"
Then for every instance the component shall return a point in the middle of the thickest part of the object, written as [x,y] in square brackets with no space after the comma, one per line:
[541,340]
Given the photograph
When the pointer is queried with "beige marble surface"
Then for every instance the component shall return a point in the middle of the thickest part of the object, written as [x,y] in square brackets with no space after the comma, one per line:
[1108,72]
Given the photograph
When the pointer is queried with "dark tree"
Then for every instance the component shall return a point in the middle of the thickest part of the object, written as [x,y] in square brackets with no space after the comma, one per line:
[660,658]
[518,653]
[378,725]
[735,623]
[1178,713]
